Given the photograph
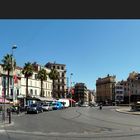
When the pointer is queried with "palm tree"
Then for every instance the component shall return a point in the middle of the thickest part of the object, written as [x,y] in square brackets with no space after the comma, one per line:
[53,75]
[42,75]
[8,65]
[28,72]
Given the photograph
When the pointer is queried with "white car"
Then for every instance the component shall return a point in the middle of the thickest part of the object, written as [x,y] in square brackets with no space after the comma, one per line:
[47,107]
[84,105]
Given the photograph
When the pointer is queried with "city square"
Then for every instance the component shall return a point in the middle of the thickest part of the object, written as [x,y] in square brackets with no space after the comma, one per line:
[69,80]
[74,124]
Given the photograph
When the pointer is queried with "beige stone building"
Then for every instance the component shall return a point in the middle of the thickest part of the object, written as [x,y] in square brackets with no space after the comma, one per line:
[105,89]
[18,88]
[134,86]
[60,84]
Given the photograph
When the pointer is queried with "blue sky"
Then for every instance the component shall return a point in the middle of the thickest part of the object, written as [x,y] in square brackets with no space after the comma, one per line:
[89,48]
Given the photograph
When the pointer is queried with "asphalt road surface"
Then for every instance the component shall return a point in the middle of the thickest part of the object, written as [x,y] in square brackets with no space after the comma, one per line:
[76,123]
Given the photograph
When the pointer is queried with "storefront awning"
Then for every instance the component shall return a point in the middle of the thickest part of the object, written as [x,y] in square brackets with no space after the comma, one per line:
[71,100]
[2,100]
[44,98]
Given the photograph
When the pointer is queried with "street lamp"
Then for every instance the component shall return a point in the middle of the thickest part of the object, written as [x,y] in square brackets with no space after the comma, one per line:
[71,86]
[14,47]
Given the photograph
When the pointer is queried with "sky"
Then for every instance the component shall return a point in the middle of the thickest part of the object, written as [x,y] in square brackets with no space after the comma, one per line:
[89,48]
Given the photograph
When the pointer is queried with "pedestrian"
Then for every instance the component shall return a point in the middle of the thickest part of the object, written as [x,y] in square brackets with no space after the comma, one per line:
[18,110]
[100,106]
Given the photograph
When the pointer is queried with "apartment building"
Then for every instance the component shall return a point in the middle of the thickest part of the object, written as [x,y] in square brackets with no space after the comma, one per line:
[91,96]
[17,90]
[105,89]
[119,92]
[60,84]
[80,93]
[134,86]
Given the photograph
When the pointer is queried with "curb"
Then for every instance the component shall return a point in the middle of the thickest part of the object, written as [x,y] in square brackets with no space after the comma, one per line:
[127,112]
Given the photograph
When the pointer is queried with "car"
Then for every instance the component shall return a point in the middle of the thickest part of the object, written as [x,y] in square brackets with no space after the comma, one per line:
[34,108]
[57,105]
[47,107]
[84,105]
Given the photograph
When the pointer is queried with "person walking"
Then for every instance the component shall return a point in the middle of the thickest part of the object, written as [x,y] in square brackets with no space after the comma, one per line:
[100,106]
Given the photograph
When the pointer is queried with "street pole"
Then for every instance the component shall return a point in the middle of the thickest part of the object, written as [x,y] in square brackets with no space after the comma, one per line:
[129,92]
[129,98]
[71,86]
[4,96]
[14,47]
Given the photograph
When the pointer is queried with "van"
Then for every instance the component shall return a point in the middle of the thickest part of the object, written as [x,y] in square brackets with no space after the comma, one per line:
[66,102]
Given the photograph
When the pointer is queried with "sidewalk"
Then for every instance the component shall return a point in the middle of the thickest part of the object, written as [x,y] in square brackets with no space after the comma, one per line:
[127,110]
[6,122]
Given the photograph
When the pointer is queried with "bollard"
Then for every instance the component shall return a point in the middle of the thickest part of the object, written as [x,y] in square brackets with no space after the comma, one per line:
[9,112]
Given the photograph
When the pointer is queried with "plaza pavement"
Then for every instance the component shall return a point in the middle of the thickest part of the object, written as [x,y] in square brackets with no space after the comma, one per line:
[127,110]
[6,122]
[120,109]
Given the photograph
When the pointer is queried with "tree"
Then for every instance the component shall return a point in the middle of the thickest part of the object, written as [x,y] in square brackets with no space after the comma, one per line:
[53,75]
[42,75]
[28,72]
[8,65]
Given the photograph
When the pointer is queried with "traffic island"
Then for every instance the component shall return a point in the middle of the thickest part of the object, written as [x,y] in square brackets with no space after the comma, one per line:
[127,110]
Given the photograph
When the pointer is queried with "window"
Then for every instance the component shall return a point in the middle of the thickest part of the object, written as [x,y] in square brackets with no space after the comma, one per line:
[35,76]
[57,67]
[31,91]
[11,80]
[17,92]
[63,74]
[54,67]
[62,68]
[11,92]
[35,92]
[62,80]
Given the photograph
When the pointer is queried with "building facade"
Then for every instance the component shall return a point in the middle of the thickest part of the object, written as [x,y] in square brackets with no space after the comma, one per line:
[80,93]
[105,89]
[60,84]
[91,96]
[119,92]
[134,86]
[17,84]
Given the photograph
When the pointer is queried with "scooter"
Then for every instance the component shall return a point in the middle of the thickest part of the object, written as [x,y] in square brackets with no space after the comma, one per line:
[100,107]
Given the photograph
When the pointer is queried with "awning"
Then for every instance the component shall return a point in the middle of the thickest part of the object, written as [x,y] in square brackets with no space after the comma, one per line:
[2,100]
[71,100]
[44,98]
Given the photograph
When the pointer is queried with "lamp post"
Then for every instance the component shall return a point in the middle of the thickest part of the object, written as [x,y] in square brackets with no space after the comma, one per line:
[130,90]
[71,86]
[14,47]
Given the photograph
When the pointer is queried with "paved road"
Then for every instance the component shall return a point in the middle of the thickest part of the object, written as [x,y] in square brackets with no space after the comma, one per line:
[74,124]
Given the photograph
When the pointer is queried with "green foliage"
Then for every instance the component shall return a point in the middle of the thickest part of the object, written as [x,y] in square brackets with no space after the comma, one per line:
[9,63]
[42,75]
[54,74]
[28,70]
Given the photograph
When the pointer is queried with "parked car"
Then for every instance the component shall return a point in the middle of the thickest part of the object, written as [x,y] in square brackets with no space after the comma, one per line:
[47,107]
[34,108]
[65,102]
[84,105]
[57,105]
